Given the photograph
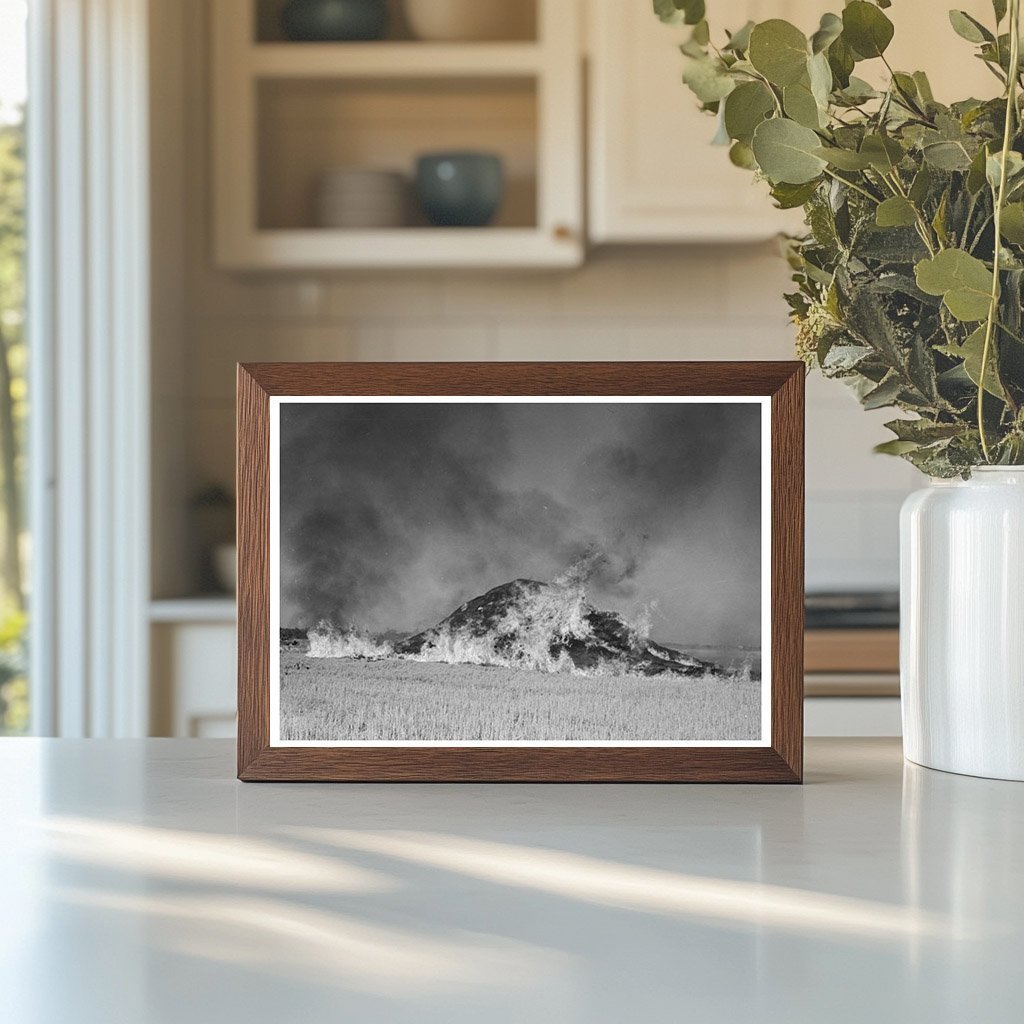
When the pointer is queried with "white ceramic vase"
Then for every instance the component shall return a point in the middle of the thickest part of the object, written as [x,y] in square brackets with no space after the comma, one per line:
[962,624]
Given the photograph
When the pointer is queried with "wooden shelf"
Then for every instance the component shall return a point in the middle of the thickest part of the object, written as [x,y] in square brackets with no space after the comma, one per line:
[393,60]
[206,608]
[401,247]
[286,112]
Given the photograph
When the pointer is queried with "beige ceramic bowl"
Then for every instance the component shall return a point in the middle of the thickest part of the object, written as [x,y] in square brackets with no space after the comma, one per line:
[471,20]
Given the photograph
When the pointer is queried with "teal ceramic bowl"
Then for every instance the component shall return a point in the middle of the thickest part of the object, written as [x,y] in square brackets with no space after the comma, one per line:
[334,21]
[460,190]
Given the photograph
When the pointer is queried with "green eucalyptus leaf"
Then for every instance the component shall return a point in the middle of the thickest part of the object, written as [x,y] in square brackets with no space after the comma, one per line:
[841,60]
[858,91]
[789,197]
[676,12]
[822,222]
[785,152]
[866,29]
[1012,224]
[906,87]
[739,41]
[969,28]
[741,155]
[939,220]
[924,87]
[997,53]
[819,75]
[947,156]
[972,352]
[779,51]
[800,105]
[701,33]
[745,108]
[844,159]
[999,7]
[884,395]
[895,447]
[695,11]
[923,431]
[668,12]
[967,304]
[921,185]
[896,212]
[883,153]
[829,30]
[963,281]
[708,80]
[976,178]
[994,169]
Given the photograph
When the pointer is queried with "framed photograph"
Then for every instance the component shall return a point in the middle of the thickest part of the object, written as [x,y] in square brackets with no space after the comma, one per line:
[520,572]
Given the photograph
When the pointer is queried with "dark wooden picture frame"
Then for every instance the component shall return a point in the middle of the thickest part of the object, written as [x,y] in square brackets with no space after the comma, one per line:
[781,761]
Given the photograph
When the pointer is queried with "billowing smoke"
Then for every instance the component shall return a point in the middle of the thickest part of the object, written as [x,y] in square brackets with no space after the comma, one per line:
[393,514]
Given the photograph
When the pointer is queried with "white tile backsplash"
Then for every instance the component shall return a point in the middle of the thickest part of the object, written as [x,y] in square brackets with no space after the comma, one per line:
[414,297]
[507,297]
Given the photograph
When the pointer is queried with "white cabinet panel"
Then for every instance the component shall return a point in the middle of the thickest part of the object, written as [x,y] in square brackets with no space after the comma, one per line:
[653,174]
[193,679]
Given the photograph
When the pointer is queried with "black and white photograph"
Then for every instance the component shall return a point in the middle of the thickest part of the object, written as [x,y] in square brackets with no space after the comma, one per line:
[520,571]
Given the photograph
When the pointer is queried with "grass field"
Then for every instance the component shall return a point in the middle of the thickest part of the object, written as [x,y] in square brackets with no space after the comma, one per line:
[350,699]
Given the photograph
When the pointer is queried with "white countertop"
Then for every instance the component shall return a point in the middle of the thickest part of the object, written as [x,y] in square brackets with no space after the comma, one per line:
[143,885]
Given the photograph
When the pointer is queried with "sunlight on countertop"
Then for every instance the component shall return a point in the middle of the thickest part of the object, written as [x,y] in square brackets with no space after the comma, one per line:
[145,884]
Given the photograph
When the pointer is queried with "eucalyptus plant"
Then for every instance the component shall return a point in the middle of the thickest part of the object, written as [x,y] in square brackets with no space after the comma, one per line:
[910,278]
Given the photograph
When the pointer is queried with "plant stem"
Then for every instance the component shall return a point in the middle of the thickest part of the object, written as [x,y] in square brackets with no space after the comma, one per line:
[856,188]
[1012,334]
[993,309]
[923,228]
[771,89]
[981,231]
[969,218]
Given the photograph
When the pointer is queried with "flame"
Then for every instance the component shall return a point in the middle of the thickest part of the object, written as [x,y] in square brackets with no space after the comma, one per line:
[531,634]
[327,641]
[524,636]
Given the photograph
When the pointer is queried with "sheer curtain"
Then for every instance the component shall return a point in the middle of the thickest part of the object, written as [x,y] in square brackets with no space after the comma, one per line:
[88,300]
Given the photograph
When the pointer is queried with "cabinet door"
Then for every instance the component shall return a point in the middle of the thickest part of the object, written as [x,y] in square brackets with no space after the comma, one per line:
[654,177]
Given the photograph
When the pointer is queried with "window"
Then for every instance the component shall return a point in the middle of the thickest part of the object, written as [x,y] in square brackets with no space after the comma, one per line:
[14,547]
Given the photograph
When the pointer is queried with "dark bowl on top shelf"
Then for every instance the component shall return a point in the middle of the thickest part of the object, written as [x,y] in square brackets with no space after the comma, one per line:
[460,189]
[334,21]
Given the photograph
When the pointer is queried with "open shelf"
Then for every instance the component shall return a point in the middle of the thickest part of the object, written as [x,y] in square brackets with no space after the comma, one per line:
[520,17]
[393,60]
[407,248]
[308,127]
[286,114]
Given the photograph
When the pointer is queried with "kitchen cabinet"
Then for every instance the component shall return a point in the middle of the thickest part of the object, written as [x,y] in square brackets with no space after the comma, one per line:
[653,175]
[286,113]
[192,648]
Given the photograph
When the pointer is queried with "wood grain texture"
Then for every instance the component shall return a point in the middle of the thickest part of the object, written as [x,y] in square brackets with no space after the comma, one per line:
[252,487]
[787,640]
[781,762]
